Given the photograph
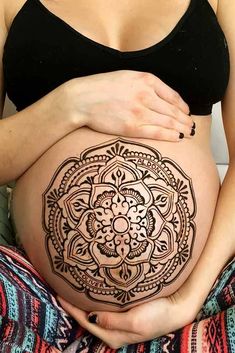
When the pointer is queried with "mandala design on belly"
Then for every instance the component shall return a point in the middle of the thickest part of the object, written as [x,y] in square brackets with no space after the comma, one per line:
[119,222]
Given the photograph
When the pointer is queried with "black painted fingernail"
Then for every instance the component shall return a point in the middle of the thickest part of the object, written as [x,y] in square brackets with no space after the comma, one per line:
[192,132]
[181,135]
[93,319]
[194,125]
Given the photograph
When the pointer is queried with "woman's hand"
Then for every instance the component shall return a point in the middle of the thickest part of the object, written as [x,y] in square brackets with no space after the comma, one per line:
[130,103]
[141,323]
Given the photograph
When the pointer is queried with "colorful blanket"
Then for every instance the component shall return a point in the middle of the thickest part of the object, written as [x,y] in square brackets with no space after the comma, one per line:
[31,320]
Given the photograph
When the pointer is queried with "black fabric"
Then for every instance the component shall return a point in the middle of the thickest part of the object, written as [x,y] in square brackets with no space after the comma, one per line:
[42,51]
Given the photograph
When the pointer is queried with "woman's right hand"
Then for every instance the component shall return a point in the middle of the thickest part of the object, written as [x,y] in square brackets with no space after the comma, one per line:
[129,103]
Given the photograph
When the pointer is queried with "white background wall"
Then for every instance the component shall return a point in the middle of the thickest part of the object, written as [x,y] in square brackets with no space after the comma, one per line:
[218,141]
[9,108]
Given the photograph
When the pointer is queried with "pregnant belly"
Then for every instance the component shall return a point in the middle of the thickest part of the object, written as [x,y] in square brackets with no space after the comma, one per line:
[112,222]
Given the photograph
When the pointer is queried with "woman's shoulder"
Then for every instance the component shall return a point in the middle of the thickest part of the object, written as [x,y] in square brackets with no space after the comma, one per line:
[11,8]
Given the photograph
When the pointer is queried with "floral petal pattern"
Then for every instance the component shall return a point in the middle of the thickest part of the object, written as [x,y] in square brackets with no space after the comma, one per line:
[119,222]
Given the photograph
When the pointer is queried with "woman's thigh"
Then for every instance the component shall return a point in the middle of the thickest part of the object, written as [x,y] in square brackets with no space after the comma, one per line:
[32,321]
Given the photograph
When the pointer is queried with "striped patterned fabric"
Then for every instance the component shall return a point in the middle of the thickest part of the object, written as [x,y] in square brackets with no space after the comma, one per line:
[30,319]
[6,232]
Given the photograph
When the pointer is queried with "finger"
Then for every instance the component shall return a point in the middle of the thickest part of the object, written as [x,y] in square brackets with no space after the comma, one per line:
[158,133]
[116,339]
[112,320]
[168,122]
[81,316]
[161,106]
[113,338]
[170,95]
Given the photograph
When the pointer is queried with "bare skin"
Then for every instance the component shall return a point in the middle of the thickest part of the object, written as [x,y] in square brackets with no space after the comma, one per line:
[202,172]
[62,209]
[117,25]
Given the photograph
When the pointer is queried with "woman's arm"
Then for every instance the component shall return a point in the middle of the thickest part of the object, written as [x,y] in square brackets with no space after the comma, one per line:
[24,136]
[92,101]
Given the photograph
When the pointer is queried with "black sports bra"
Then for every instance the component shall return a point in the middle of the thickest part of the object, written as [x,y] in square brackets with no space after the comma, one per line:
[42,51]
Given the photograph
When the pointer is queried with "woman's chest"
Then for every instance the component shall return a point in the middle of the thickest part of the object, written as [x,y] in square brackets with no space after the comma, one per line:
[43,49]
[125,25]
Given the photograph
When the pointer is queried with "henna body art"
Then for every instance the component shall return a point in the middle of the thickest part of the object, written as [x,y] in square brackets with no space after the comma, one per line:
[119,222]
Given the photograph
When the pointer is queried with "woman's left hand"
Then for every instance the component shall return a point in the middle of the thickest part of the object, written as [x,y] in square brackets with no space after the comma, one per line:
[141,323]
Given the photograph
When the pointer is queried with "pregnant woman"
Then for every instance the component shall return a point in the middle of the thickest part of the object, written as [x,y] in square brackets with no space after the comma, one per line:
[116,186]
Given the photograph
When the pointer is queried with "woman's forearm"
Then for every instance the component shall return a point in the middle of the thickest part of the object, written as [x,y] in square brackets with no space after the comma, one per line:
[95,101]
[219,249]
[26,135]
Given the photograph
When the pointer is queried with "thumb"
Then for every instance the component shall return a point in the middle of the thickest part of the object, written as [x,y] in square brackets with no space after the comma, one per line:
[111,320]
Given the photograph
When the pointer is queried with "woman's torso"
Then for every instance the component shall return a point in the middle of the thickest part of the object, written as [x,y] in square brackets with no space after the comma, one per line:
[117,220]
[86,206]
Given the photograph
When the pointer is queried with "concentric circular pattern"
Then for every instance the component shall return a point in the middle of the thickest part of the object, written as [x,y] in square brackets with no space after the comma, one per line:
[119,222]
